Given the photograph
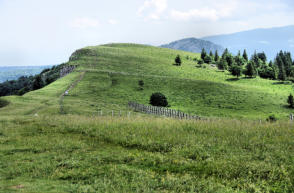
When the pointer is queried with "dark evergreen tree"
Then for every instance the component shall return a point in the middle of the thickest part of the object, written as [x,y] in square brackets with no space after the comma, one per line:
[225,53]
[211,55]
[262,56]
[230,60]
[178,61]
[222,64]
[203,54]
[245,56]
[236,70]
[250,70]
[290,101]
[216,56]
[158,99]
[256,60]
[207,59]
[240,61]
[282,74]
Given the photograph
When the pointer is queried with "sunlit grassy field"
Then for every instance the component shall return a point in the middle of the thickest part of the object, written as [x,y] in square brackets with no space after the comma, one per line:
[104,154]
[50,143]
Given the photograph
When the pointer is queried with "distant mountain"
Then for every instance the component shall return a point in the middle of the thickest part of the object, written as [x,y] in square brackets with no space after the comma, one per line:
[270,40]
[194,45]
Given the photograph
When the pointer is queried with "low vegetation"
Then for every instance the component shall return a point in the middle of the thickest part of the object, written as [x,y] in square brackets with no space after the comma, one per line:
[103,154]
[52,142]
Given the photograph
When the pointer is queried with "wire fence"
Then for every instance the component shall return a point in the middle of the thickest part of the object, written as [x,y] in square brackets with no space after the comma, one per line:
[161,111]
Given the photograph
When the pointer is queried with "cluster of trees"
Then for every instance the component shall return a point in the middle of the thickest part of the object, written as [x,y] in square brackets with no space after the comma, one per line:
[282,68]
[26,84]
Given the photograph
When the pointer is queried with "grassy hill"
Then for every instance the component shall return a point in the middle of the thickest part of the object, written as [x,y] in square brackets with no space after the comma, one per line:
[55,143]
[111,80]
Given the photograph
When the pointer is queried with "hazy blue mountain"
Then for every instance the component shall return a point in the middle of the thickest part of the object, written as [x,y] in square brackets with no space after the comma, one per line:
[270,40]
[194,45]
[14,72]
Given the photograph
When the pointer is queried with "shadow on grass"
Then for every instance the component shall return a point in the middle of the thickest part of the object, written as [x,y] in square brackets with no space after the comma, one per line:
[282,82]
[248,77]
[232,79]
[3,103]
[286,106]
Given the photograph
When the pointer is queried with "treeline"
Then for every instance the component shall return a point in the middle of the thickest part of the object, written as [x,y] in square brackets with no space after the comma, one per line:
[282,68]
[26,84]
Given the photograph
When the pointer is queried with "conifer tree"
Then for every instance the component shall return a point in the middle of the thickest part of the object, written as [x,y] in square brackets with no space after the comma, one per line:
[290,101]
[245,56]
[225,53]
[282,73]
[250,70]
[203,54]
[178,61]
[236,70]
[216,56]
[211,55]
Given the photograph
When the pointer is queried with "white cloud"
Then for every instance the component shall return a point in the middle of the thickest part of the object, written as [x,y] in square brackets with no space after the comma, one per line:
[152,9]
[84,22]
[112,21]
[212,11]
[195,14]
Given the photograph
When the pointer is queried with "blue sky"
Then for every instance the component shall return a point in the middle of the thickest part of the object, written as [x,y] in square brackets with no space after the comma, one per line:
[44,32]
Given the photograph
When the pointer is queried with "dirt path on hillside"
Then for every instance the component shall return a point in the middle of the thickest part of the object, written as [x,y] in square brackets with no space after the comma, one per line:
[72,86]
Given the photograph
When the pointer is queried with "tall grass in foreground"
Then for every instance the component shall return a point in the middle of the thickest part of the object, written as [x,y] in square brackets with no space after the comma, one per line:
[104,154]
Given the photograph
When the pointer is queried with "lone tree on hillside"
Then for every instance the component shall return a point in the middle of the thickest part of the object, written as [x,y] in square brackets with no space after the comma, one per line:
[291,101]
[178,61]
[141,84]
[158,99]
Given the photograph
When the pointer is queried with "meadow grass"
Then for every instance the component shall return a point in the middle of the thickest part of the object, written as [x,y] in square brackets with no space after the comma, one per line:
[45,150]
[73,153]
[201,91]
[111,80]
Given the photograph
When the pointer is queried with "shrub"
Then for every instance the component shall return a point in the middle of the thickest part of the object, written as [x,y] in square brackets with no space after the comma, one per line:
[200,61]
[178,61]
[272,118]
[141,84]
[158,99]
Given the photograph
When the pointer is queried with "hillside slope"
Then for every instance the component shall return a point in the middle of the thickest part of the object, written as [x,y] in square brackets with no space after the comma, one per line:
[194,45]
[111,80]
[53,142]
